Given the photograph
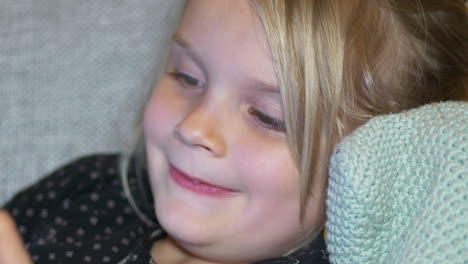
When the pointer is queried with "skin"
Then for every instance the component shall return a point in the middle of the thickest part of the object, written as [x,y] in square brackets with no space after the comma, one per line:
[210,132]
[204,125]
[12,250]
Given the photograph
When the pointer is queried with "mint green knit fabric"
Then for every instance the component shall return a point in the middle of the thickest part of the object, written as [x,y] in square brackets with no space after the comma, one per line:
[398,189]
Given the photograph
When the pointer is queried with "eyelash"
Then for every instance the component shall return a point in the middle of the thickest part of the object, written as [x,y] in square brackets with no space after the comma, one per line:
[265,120]
[186,79]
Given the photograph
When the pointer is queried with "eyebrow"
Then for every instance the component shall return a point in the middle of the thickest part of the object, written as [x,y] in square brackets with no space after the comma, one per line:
[248,82]
[180,41]
[256,84]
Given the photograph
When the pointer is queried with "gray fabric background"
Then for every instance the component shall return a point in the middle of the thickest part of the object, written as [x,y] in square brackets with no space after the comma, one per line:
[73,76]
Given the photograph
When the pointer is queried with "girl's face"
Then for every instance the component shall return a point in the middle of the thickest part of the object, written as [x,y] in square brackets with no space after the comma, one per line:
[224,182]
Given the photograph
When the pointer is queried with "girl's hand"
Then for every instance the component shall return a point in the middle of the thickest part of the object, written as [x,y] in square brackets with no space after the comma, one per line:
[12,250]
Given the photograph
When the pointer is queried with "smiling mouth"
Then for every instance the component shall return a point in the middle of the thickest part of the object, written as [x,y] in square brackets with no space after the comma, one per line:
[198,186]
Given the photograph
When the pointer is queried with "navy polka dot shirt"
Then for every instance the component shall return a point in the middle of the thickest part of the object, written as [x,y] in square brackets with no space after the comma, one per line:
[80,214]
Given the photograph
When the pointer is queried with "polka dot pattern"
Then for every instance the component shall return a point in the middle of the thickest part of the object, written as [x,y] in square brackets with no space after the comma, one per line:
[79,214]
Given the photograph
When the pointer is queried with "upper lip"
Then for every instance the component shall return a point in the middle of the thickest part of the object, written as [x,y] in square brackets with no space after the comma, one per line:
[199,179]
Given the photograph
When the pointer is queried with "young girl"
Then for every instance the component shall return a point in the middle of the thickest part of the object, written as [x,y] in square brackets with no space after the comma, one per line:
[238,132]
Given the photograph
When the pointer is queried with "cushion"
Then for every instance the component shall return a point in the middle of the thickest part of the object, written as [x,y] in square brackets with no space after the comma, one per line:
[398,189]
[73,78]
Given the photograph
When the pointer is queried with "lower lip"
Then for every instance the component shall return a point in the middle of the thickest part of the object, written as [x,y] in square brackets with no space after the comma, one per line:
[201,188]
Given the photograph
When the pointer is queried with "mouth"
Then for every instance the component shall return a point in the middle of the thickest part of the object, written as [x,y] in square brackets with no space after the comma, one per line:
[197,185]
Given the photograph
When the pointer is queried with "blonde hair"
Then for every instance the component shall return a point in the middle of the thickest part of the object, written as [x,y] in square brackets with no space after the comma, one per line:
[341,62]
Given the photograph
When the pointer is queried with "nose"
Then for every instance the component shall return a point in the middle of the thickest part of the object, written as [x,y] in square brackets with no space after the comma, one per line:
[200,130]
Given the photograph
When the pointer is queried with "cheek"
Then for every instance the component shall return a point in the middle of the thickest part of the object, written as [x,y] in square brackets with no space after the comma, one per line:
[272,185]
[268,170]
[160,116]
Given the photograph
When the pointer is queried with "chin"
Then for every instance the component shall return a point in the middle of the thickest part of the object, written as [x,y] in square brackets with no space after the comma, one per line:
[200,238]
[182,224]
[225,253]
[188,234]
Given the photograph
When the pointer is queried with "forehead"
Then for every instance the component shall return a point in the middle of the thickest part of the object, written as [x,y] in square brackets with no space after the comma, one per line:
[226,30]
[234,17]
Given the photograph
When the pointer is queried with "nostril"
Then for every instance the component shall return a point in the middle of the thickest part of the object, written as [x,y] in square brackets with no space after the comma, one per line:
[202,146]
[191,140]
[190,137]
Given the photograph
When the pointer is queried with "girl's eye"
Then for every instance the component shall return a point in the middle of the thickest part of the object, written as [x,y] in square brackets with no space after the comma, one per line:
[267,121]
[186,80]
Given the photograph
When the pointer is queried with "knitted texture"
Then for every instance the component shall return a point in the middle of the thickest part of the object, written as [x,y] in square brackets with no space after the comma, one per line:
[398,189]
